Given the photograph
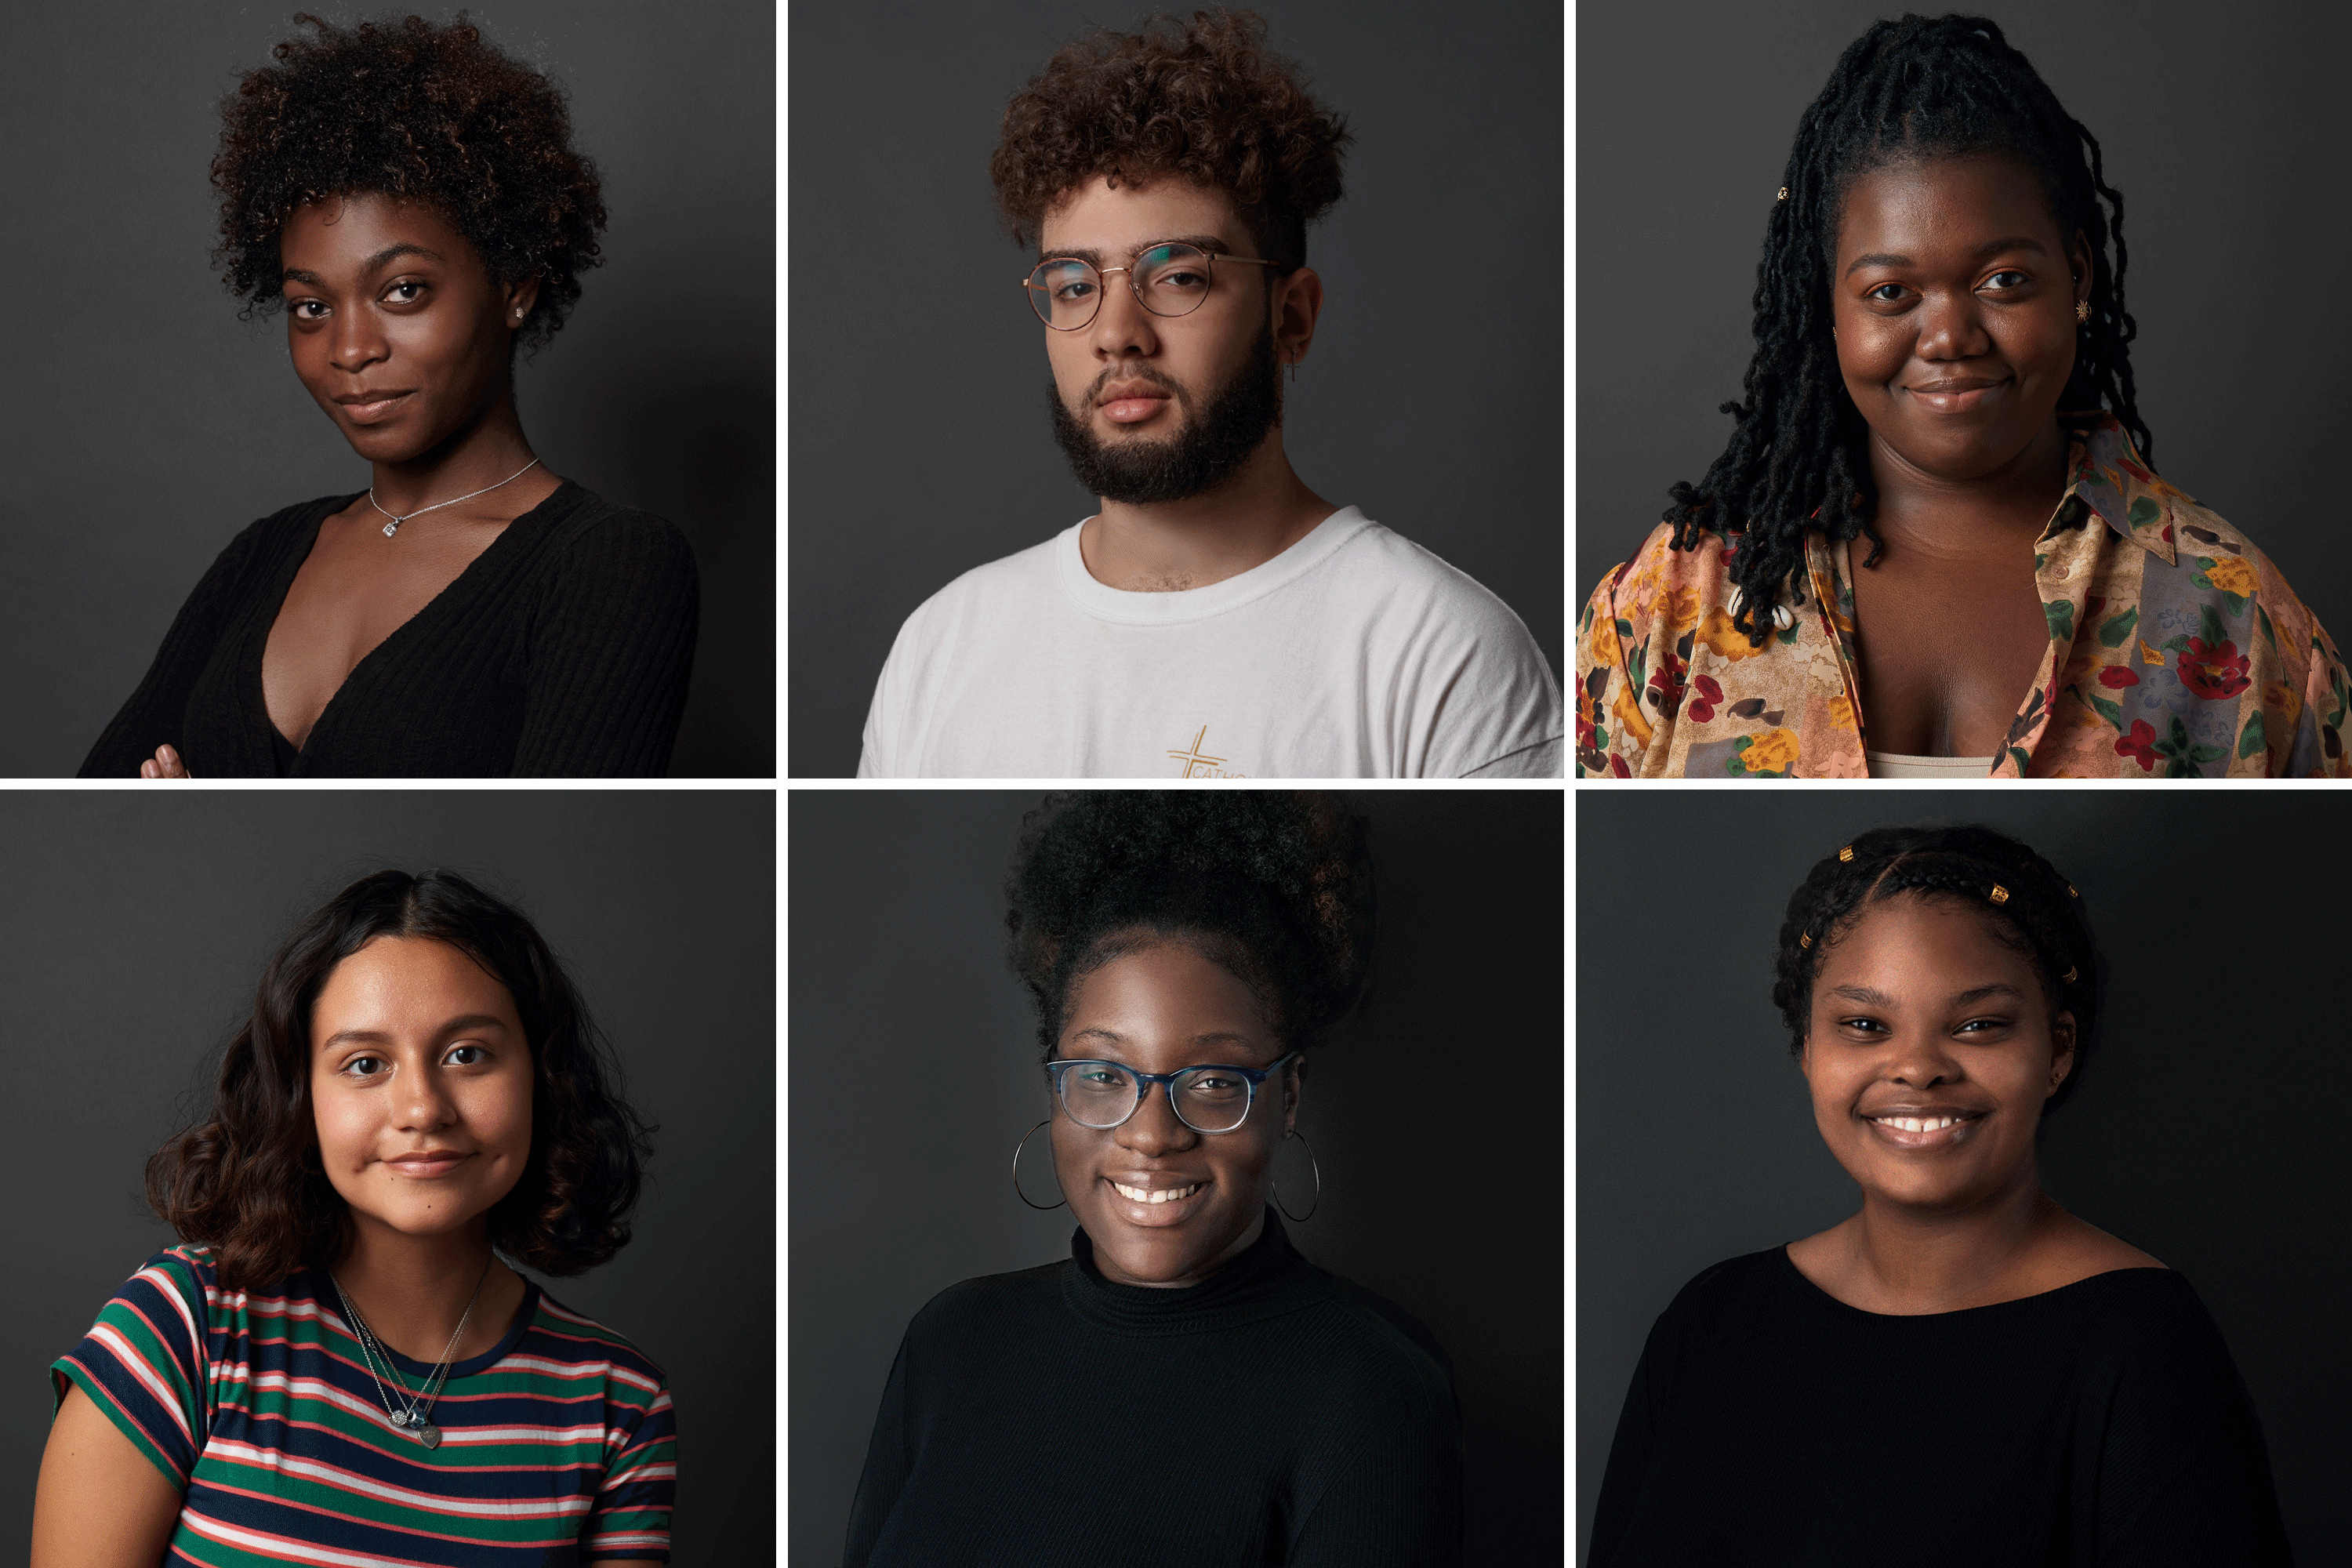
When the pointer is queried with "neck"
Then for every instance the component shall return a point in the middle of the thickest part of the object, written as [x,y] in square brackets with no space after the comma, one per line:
[412,1290]
[1260,511]
[484,450]
[1935,1260]
[1991,515]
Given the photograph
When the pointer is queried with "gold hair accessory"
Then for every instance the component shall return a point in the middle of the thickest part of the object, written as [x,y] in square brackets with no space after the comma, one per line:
[2071,976]
[2071,892]
[1846,853]
[1806,940]
[1784,195]
[1999,894]
[2082,309]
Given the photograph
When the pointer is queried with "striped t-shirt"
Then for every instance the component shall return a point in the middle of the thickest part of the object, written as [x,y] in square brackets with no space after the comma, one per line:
[556,1444]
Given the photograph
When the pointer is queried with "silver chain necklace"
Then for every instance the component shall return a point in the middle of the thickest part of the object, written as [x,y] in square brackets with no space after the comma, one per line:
[393,526]
[409,1416]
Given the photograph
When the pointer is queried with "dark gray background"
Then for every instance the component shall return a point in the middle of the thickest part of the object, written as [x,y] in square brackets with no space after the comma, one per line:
[1435,1195]
[920,446]
[136,926]
[2222,130]
[141,425]
[2188,1138]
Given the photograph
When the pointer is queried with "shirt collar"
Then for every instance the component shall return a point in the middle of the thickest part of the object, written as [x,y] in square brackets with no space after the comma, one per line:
[2104,472]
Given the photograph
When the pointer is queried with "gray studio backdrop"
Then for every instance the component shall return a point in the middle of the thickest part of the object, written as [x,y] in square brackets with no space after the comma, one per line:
[2224,1011]
[2225,140]
[137,925]
[1433,1115]
[143,425]
[919,442]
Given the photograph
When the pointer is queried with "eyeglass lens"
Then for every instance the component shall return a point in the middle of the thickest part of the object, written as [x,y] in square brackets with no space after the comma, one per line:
[1170,280]
[1102,1094]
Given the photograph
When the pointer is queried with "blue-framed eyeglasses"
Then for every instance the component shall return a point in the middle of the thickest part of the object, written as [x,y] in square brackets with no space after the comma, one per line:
[1208,1099]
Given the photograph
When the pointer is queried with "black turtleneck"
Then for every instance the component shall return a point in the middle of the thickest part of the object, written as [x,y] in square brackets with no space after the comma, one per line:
[1273,1414]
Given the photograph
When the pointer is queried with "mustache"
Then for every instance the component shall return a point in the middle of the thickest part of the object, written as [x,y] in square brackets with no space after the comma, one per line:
[1170,384]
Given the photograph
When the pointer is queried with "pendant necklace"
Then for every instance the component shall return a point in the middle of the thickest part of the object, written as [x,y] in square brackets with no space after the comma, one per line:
[409,1414]
[393,526]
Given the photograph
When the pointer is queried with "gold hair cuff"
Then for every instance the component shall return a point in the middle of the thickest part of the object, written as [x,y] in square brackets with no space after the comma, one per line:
[2071,892]
[1784,195]
[1806,940]
[1846,853]
[1999,894]
[2071,976]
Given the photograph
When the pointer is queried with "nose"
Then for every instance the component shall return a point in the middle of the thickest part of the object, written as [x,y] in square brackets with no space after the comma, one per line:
[355,342]
[425,1103]
[1950,327]
[1122,327]
[1924,1061]
[1155,1128]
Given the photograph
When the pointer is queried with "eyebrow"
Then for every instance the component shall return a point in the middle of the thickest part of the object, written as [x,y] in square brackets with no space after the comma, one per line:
[1208,242]
[375,263]
[378,1037]
[1989,248]
[1869,997]
[1214,1038]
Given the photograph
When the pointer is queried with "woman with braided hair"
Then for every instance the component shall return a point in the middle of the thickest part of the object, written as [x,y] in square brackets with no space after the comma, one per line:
[1961,1371]
[1942,373]
[1184,1388]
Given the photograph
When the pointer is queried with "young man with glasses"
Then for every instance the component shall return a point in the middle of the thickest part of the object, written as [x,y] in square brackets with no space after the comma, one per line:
[1217,618]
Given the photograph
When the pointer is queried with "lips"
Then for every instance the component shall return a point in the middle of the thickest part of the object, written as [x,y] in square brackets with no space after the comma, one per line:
[429,1163]
[367,407]
[1957,395]
[1923,1127]
[1155,1200]
[1131,402]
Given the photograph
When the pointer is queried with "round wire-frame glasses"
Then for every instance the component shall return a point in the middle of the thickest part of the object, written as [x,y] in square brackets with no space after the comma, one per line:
[1106,1094]
[1170,279]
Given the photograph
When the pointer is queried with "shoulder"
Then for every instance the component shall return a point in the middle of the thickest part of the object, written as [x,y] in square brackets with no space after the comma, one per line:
[1407,569]
[590,528]
[1658,568]
[982,1306]
[1391,1341]
[1000,589]
[1733,1289]
[287,528]
[580,1343]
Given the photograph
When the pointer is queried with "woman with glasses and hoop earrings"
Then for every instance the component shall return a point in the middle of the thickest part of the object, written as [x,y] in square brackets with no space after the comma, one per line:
[1185,953]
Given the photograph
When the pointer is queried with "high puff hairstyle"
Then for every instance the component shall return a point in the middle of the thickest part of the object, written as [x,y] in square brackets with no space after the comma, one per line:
[403,108]
[2025,903]
[1924,87]
[1201,100]
[1275,887]
[246,1182]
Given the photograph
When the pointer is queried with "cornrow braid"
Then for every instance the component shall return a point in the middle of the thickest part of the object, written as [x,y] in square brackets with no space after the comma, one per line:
[1945,86]
[2029,905]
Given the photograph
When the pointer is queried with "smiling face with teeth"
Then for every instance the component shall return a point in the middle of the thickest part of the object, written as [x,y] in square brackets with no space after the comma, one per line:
[1931,1050]
[1163,1203]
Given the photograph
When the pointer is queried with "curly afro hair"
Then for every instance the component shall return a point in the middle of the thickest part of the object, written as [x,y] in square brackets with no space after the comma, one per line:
[2039,914]
[403,108]
[1275,887]
[1201,101]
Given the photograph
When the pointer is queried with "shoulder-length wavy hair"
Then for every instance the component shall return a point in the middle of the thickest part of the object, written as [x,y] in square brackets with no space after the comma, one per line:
[247,1178]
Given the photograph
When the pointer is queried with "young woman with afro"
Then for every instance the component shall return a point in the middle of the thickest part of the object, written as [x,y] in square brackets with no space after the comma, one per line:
[409,198]
[1942,368]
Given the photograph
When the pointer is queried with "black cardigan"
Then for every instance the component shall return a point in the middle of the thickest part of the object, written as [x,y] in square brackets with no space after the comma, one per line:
[2100,1423]
[1273,1414]
[562,650]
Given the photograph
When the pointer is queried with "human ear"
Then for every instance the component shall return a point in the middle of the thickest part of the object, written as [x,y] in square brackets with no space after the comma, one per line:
[2079,260]
[1296,300]
[518,298]
[2062,1050]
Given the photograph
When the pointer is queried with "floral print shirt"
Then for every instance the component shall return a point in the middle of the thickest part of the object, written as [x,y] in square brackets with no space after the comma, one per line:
[2175,651]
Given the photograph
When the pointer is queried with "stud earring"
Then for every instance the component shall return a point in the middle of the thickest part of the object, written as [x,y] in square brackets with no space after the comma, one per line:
[2082,309]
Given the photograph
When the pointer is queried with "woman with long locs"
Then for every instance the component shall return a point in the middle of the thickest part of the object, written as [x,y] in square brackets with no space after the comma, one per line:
[1942,368]
[336,1365]
[410,197]
[1961,1371]
[1185,1388]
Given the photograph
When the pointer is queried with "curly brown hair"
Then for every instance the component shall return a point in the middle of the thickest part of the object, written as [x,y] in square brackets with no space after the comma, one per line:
[247,1180]
[403,108]
[1201,101]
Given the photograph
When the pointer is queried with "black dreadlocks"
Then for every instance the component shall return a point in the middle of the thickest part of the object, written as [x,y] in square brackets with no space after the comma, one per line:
[2035,912]
[1945,86]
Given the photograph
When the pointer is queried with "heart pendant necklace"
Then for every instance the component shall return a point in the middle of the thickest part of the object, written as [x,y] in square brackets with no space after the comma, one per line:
[408,1413]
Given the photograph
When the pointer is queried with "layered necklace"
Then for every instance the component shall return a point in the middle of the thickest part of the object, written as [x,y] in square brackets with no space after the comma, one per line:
[393,526]
[408,1413]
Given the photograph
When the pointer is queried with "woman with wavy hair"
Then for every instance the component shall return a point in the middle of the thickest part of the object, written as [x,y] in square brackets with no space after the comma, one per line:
[336,1364]
[1187,954]
[1936,544]
[1961,1371]
[410,197]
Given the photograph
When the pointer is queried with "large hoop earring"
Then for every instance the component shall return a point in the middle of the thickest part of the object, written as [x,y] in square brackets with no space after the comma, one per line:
[1016,1170]
[1313,1204]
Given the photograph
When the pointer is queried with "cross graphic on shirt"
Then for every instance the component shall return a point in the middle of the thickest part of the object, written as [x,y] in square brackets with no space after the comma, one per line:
[1192,756]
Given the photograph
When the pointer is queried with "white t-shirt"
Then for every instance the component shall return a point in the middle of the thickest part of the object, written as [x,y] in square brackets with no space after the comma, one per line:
[1353,654]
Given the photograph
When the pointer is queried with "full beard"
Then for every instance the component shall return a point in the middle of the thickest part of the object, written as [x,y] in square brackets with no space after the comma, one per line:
[1215,443]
